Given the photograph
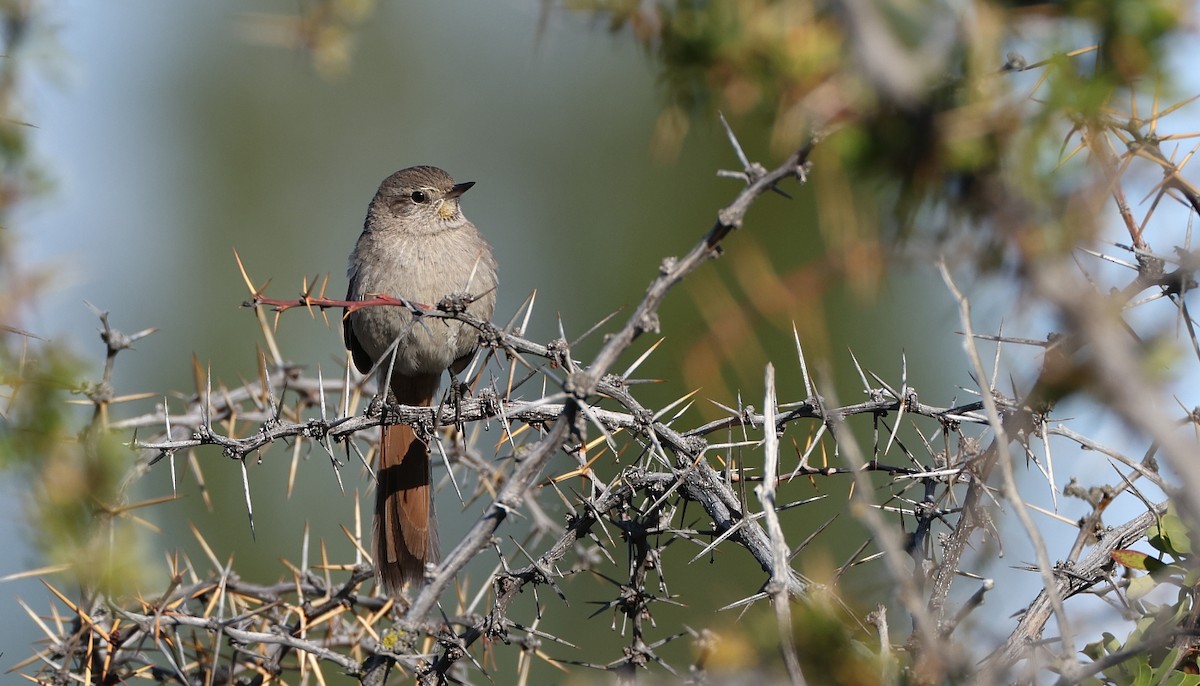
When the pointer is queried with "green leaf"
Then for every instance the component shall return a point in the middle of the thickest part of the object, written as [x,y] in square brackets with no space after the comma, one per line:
[1144,673]
[1141,586]
[1135,559]
[1182,679]
[1172,528]
[1096,649]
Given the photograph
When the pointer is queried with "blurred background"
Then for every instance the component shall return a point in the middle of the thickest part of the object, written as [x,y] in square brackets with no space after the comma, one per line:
[172,136]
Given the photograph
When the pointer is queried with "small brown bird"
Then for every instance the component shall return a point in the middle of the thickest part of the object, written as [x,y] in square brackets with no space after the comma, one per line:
[416,244]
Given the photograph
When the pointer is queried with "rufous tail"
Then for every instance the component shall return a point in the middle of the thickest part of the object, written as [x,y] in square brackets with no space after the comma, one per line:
[405,526]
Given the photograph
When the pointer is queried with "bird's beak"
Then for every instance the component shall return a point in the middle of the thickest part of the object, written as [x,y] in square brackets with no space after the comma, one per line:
[458,189]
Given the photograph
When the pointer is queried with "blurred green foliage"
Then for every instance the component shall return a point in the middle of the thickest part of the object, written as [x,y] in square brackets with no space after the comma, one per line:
[920,95]
[70,470]
[1155,651]
[73,475]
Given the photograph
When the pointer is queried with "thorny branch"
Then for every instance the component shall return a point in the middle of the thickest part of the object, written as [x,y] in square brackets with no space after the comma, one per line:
[313,619]
[563,425]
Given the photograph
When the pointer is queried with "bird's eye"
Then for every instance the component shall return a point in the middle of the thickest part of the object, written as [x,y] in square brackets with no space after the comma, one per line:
[419,197]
